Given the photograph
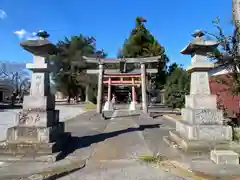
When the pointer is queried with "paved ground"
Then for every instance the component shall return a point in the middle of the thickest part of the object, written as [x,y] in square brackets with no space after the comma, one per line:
[114,147]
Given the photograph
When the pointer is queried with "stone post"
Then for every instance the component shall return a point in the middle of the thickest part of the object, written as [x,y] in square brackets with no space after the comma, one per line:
[37,125]
[162,99]
[100,88]
[144,89]
[108,104]
[162,96]
[86,93]
[133,103]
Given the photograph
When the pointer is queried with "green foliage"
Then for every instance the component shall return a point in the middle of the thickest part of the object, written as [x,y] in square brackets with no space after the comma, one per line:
[236,134]
[70,76]
[152,159]
[141,43]
[177,86]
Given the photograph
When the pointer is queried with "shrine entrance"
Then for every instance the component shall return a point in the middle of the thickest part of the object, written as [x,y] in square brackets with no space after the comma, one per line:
[121,93]
[122,77]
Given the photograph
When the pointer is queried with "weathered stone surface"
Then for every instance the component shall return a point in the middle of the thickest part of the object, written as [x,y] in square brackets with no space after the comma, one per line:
[39,102]
[202,116]
[188,145]
[202,121]
[108,106]
[132,106]
[199,83]
[204,132]
[201,101]
[36,134]
[224,157]
[41,47]
[28,149]
[38,117]
[37,130]
[200,66]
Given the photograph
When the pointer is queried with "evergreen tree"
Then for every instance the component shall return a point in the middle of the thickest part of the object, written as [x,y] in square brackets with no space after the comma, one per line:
[141,43]
[70,76]
[177,86]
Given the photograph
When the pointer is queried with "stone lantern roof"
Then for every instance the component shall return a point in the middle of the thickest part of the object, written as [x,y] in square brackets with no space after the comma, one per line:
[198,45]
[42,46]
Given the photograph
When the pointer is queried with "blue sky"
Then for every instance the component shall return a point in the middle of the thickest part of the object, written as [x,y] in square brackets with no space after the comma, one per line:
[170,21]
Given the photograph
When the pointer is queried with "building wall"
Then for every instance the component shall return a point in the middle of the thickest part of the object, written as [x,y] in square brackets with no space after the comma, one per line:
[220,70]
[223,91]
[6,89]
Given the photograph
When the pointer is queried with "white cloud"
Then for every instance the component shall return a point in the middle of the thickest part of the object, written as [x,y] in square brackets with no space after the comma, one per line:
[23,34]
[3,14]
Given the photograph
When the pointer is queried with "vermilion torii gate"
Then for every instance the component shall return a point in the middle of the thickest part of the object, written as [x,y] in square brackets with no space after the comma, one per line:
[137,77]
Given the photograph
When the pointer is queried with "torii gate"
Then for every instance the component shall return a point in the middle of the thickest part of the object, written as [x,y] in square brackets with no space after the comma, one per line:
[115,73]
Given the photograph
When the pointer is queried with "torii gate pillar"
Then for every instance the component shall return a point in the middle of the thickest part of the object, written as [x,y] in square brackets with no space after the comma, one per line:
[144,89]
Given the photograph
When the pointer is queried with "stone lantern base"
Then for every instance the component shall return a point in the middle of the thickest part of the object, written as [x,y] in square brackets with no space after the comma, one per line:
[38,141]
[200,138]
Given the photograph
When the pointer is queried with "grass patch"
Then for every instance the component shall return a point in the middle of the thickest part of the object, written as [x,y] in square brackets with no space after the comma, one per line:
[155,159]
[177,117]
[89,106]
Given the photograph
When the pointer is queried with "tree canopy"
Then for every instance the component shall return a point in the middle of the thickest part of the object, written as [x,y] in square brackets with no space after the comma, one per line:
[177,86]
[70,76]
[141,43]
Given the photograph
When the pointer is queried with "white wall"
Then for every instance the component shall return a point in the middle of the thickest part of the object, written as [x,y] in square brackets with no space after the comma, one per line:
[219,71]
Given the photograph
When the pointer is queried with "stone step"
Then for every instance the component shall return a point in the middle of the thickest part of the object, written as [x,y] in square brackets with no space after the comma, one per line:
[224,157]
[19,148]
[49,158]
[196,145]
[27,148]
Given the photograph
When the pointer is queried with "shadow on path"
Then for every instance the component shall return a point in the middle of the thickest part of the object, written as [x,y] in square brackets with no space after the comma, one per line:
[122,116]
[9,106]
[75,143]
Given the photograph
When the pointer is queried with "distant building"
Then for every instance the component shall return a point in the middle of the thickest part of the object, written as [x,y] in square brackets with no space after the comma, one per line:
[6,89]
[222,90]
